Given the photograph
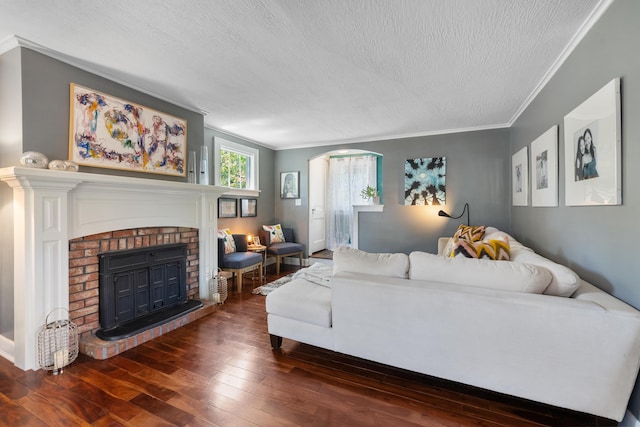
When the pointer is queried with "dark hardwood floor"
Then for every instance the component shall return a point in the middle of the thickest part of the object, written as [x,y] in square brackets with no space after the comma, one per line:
[221,371]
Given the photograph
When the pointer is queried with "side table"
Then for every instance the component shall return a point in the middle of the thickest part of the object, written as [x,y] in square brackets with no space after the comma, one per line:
[261,249]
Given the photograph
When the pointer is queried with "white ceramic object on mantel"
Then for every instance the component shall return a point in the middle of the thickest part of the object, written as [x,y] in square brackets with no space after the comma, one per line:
[34,159]
[71,166]
[57,165]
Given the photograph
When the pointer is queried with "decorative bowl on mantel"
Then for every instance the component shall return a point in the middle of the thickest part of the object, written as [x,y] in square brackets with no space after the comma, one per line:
[33,159]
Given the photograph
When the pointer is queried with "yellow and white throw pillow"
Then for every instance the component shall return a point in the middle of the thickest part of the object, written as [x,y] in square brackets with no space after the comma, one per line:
[275,233]
[498,250]
[229,243]
[470,233]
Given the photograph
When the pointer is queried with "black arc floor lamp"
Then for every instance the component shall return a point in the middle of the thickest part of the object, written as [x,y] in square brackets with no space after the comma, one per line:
[466,209]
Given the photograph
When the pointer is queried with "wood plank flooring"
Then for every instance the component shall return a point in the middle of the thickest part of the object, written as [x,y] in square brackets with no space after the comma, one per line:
[221,371]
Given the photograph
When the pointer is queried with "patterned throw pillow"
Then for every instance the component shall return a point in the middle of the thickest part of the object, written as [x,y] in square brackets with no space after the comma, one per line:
[470,233]
[229,243]
[275,233]
[493,249]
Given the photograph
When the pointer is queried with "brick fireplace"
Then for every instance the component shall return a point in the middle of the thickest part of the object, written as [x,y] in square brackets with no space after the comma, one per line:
[59,217]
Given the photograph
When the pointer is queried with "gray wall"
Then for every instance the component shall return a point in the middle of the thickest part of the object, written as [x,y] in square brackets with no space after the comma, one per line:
[46,109]
[478,168]
[267,189]
[598,242]
[34,115]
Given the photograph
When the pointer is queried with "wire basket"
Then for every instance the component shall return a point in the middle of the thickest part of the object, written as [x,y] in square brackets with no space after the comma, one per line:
[57,343]
[218,287]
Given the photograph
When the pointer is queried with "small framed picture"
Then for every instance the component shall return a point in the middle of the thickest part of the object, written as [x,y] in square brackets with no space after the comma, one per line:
[248,207]
[290,185]
[227,208]
[520,178]
[256,241]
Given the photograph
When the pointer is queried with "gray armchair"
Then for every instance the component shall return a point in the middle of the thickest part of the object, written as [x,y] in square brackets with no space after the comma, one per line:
[240,261]
[281,250]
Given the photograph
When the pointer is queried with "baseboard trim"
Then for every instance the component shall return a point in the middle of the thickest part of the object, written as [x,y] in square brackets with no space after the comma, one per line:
[7,349]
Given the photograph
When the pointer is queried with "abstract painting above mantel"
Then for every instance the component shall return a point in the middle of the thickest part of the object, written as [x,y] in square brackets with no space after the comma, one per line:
[108,132]
[424,181]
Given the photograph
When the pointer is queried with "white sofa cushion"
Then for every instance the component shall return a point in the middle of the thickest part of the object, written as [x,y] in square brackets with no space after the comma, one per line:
[379,264]
[303,301]
[564,281]
[484,273]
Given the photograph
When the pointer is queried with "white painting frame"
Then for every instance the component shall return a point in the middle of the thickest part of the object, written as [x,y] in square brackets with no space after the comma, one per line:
[593,176]
[544,169]
[520,178]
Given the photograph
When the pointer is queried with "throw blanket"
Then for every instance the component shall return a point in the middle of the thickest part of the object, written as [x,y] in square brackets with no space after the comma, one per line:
[317,273]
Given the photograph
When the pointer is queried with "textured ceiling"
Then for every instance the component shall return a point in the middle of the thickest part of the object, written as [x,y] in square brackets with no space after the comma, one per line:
[293,73]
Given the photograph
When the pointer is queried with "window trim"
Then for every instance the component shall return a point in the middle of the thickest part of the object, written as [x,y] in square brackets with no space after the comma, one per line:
[221,143]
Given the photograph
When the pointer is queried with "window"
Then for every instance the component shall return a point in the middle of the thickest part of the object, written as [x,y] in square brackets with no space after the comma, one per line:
[236,166]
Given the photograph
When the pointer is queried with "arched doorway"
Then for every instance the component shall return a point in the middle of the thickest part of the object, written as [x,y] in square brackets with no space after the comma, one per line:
[336,179]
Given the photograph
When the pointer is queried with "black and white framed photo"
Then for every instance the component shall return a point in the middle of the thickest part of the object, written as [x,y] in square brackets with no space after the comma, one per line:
[544,169]
[592,149]
[290,185]
[248,207]
[520,178]
[227,207]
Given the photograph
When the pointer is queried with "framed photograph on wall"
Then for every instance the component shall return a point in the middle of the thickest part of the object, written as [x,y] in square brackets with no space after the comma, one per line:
[290,185]
[227,207]
[108,132]
[520,178]
[544,169]
[592,150]
[248,207]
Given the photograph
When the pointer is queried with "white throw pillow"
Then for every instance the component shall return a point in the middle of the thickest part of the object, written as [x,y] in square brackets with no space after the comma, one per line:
[483,273]
[357,261]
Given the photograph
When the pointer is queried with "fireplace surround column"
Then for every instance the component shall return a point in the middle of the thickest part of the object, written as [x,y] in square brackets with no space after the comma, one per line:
[51,207]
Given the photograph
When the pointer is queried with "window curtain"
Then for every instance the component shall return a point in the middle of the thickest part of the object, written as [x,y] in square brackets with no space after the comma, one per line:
[348,176]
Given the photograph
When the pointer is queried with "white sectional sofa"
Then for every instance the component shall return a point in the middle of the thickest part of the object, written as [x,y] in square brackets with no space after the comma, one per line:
[491,326]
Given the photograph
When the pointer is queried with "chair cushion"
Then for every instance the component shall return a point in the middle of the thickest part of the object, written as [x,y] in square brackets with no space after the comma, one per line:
[303,301]
[238,260]
[284,248]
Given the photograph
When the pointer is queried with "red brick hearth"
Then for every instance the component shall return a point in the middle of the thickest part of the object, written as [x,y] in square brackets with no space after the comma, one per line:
[84,283]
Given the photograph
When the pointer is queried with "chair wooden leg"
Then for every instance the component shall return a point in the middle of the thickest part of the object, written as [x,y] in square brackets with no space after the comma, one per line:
[278,260]
[239,274]
[260,267]
[300,256]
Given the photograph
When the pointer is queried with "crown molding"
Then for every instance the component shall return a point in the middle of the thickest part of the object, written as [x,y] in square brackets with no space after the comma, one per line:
[16,41]
[595,15]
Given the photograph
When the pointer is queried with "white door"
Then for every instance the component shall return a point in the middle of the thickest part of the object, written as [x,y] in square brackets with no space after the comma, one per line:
[317,189]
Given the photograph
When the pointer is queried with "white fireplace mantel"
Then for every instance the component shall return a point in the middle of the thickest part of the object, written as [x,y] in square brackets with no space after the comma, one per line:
[52,207]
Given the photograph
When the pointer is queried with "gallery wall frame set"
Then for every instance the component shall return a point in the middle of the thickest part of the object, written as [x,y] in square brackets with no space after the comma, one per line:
[108,132]
[592,156]
[227,207]
[593,149]
[248,207]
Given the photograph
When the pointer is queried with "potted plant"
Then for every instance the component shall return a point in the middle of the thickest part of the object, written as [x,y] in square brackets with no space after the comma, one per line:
[370,194]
